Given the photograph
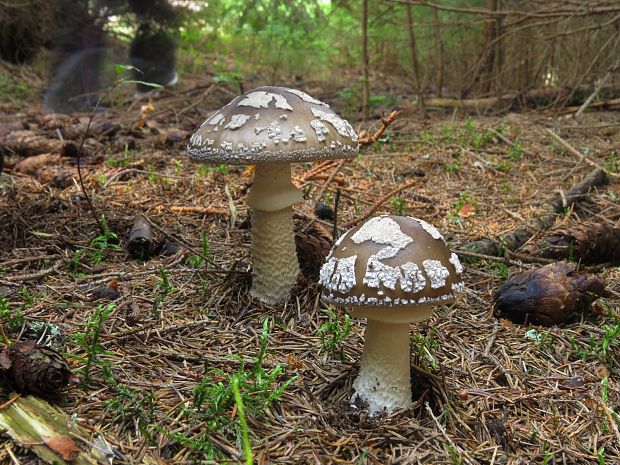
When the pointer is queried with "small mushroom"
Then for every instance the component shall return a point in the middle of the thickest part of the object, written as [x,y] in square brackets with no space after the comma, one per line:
[392,270]
[272,127]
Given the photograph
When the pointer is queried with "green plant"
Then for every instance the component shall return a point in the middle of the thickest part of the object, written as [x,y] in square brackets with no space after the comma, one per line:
[250,390]
[204,170]
[501,270]
[27,297]
[398,205]
[613,163]
[455,165]
[425,348]
[14,318]
[129,405]
[88,341]
[196,261]
[153,177]
[163,287]
[547,458]
[502,166]
[454,455]
[242,421]
[334,332]
[516,150]
[120,162]
[103,242]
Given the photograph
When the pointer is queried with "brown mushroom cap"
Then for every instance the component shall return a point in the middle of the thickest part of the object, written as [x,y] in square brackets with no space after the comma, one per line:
[391,261]
[273,125]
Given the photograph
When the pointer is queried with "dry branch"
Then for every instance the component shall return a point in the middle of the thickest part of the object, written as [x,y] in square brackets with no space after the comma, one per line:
[515,239]
[577,153]
[377,205]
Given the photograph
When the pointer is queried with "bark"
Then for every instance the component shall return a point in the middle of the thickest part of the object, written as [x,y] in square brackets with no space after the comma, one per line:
[140,242]
[414,61]
[515,239]
[365,62]
[439,53]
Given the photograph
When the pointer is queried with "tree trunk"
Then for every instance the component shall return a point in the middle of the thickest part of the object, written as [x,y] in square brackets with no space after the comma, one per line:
[414,61]
[365,61]
[490,48]
[439,59]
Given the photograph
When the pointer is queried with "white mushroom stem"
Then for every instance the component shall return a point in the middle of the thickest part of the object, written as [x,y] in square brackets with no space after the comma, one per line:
[274,258]
[383,380]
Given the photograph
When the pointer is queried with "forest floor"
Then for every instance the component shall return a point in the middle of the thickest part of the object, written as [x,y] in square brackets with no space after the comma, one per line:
[163,355]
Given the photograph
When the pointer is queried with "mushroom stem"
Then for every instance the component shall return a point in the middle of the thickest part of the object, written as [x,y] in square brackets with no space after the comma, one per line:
[383,380]
[274,256]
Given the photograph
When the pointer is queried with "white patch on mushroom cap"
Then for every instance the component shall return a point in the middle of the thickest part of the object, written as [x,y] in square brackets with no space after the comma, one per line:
[436,272]
[196,139]
[319,128]
[227,145]
[458,287]
[342,126]
[298,135]
[274,132]
[306,98]
[382,230]
[413,280]
[454,259]
[338,274]
[262,99]
[429,228]
[236,121]
[215,119]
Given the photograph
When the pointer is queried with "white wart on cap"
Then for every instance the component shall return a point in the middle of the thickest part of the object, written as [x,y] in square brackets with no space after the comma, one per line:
[273,125]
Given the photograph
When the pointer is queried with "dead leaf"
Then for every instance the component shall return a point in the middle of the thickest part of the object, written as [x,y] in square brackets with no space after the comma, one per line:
[63,445]
[293,362]
[466,210]
[147,109]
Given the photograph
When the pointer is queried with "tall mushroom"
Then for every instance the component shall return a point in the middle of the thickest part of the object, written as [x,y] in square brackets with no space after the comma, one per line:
[272,127]
[392,270]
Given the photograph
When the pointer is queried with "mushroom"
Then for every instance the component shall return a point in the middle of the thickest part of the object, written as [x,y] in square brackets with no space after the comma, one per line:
[392,270]
[272,127]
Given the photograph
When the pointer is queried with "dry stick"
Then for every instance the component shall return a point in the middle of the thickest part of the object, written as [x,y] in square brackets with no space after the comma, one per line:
[38,274]
[578,154]
[79,157]
[336,205]
[385,122]
[462,454]
[597,89]
[378,204]
[318,169]
[515,239]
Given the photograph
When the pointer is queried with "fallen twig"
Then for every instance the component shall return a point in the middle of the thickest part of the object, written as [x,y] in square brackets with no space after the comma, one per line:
[377,205]
[366,139]
[515,239]
[578,154]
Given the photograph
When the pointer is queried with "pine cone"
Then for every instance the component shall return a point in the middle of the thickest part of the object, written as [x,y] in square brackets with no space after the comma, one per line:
[311,252]
[547,295]
[588,242]
[29,368]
